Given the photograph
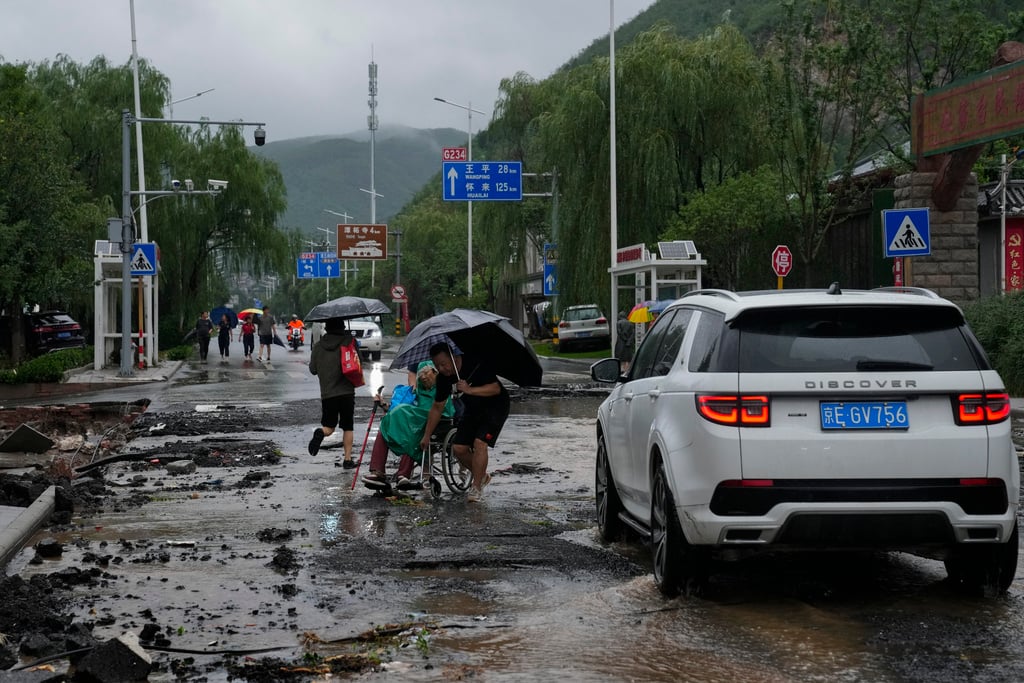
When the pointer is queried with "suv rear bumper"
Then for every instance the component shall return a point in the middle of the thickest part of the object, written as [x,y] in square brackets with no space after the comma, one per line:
[849,524]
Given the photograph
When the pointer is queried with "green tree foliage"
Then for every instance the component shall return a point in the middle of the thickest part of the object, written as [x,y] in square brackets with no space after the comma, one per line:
[46,222]
[737,225]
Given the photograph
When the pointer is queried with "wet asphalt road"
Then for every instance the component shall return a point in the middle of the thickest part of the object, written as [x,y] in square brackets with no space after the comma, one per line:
[517,588]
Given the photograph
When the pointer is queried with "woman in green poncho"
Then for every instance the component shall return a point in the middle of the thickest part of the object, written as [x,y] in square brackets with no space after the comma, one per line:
[402,429]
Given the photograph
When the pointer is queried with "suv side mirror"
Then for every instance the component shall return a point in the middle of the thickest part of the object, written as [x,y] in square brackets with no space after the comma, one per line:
[606,371]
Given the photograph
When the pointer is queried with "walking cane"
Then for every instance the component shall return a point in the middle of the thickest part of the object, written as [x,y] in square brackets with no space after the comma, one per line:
[369,428]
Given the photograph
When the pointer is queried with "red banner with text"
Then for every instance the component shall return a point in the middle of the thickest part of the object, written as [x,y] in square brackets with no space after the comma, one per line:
[1014,254]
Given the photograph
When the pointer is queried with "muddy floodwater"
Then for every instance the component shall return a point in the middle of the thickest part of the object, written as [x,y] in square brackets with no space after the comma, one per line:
[264,563]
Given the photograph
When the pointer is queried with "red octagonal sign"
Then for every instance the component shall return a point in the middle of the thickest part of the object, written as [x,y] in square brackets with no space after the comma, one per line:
[782,260]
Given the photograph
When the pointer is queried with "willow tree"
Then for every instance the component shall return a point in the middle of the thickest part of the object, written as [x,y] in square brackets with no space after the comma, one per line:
[206,240]
[687,115]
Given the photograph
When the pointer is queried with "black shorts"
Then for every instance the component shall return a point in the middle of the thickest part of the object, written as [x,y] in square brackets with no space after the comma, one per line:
[484,425]
[266,339]
[338,411]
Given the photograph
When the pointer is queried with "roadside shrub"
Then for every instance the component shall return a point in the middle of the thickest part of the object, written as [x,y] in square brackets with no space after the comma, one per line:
[48,368]
[998,322]
[183,352]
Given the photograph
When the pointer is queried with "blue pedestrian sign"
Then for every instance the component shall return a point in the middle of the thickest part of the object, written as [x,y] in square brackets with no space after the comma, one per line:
[550,282]
[482,181]
[319,264]
[143,258]
[906,232]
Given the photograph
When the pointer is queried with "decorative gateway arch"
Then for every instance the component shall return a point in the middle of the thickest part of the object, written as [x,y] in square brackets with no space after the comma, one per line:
[949,128]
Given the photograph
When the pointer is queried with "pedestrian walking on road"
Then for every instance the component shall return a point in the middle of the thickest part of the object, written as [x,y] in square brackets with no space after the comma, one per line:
[267,330]
[248,333]
[470,379]
[624,333]
[225,335]
[204,328]
[337,394]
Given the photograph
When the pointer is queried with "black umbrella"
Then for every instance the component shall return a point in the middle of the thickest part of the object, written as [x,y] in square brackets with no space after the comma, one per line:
[346,307]
[478,332]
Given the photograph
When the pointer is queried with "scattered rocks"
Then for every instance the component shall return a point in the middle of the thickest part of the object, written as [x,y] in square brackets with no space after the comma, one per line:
[177,467]
[117,660]
[49,547]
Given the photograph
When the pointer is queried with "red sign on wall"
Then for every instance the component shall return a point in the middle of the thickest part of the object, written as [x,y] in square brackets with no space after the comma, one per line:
[1014,254]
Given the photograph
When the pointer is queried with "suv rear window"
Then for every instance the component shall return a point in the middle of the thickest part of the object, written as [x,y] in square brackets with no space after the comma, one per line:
[575,314]
[850,339]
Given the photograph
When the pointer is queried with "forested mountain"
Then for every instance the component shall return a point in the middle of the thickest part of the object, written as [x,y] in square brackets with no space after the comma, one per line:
[326,172]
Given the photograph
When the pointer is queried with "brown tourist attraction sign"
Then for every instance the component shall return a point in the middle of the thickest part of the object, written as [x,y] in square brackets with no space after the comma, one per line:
[986,107]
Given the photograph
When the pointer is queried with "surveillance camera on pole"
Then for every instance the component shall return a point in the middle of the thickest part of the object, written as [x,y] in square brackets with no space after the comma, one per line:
[175,184]
[217,185]
[189,185]
[260,136]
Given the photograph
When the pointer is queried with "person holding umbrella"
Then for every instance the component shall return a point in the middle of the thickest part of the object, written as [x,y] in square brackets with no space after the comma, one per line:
[337,393]
[485,408]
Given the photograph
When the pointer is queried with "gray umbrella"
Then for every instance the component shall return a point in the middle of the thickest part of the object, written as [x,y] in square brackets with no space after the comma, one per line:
[480,332]
[346,307]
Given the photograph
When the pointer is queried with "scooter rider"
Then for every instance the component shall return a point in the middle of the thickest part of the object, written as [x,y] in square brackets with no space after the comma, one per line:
[297,329]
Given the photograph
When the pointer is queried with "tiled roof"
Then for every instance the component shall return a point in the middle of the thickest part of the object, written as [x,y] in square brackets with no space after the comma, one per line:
[990,198]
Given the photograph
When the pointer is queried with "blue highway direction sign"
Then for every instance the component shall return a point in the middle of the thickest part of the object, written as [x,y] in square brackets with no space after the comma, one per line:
[317,265]
[906,232]
[482,181]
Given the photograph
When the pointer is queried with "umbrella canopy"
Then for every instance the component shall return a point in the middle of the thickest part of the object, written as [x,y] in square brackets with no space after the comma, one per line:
[641,313]
[346,307]
[479,332]
[658,306]
[249,311]
[216,314]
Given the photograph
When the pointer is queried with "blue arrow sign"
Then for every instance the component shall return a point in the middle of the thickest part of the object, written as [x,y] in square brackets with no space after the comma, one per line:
[906,232]
[550,281]
[306,266]
[482,181]
[143,258]
[327,264]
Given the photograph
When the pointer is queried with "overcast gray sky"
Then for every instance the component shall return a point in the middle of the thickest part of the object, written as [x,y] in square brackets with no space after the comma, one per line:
[301,65]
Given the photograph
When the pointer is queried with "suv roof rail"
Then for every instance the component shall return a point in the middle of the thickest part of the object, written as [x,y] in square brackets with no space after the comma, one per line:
[724,293]
[919,291]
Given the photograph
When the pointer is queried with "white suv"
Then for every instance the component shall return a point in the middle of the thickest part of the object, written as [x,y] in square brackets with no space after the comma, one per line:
[583,325]
[366,331]
[810,419]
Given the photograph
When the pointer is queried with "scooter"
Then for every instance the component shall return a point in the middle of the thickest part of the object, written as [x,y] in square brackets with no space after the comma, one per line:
[296,338]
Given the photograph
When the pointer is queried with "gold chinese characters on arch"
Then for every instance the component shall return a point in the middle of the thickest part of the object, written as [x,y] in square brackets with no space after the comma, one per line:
[965,113]
[362,241]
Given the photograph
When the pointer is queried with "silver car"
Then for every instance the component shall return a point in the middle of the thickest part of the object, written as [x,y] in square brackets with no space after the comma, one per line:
[582,325]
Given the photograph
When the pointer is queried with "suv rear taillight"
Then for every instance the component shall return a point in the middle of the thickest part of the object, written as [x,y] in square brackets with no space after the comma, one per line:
[981,408]
[732,410]
[563,324]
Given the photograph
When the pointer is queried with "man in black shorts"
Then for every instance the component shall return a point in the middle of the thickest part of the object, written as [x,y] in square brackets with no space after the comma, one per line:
[337,393]
[486,406]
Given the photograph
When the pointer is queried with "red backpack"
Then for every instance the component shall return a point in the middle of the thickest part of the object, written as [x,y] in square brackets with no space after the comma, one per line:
[351,367]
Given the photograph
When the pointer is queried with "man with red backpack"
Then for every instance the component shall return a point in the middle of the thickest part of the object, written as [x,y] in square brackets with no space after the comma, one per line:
[337,392]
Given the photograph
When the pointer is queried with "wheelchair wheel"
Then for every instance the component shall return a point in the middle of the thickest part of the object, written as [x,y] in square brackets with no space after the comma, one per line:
[457,477]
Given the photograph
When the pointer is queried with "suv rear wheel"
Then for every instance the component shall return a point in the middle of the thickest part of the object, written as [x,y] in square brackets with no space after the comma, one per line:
[609,505]
[678,566]
[985,568]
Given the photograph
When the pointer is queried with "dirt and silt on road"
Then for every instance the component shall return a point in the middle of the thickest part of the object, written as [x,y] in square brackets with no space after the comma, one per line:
[264,564]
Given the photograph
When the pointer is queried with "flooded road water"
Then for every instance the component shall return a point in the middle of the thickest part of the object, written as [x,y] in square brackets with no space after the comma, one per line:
[515,589]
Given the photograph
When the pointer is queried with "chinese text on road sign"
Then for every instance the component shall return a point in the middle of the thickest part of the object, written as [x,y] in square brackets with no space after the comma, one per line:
[782,260]
[481,181]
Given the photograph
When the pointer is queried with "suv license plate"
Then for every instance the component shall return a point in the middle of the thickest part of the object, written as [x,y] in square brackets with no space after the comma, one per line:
[864,415]
[582,334]
[63,335]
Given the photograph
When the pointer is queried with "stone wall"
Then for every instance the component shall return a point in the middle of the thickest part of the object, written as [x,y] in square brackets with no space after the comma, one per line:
[951,270]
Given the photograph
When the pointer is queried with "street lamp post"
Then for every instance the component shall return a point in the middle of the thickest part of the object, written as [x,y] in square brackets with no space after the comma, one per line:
[127,231]
[469,205]
[345,217]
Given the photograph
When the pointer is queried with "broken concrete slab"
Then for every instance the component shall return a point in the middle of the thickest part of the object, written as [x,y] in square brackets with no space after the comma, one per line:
[116,660]
[25,439]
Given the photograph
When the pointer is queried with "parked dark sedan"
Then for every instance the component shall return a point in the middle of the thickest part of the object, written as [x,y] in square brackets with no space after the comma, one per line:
[52,331]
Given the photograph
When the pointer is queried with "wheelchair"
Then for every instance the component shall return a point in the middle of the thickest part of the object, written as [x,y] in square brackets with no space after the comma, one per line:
[439,462]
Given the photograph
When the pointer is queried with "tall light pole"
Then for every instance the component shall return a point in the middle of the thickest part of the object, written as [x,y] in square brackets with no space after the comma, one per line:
[372,123]
[469,205]
[345,217]
[612,189]
[335,232]
[127,229]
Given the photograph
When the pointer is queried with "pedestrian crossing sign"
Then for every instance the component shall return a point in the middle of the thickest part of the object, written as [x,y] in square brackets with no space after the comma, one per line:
[906,232]
[143,258]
